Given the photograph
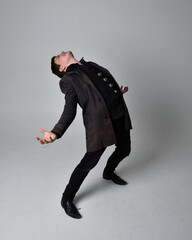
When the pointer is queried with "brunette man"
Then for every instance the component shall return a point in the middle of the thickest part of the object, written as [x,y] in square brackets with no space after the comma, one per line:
[105,116]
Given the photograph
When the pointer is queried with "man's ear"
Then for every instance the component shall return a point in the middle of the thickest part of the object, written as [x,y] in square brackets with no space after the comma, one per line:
[61,69]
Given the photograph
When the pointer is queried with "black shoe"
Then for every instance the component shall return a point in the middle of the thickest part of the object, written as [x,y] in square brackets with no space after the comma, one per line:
[116,179]
[70,209]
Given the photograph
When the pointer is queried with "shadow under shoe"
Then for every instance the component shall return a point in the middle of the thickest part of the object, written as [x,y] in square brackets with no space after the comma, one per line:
[70,209]
[114,177]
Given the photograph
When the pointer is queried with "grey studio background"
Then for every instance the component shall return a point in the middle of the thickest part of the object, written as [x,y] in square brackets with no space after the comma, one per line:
[146,44]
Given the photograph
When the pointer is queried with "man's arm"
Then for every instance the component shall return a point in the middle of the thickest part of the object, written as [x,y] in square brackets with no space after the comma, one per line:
[67,116]
[70,108]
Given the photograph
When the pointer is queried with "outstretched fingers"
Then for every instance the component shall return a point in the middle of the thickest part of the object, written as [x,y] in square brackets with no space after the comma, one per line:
[41,130]
[41,140]
[48,137]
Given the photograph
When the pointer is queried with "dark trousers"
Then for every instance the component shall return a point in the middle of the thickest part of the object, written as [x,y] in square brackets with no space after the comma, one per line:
[90,159]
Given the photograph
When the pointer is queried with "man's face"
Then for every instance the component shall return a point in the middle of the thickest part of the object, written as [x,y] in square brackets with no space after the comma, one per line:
[63,59]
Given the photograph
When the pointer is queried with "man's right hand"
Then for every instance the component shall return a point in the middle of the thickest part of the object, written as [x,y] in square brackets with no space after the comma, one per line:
[48,137]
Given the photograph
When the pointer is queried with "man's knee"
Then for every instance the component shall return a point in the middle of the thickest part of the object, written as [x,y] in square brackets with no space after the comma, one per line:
[88,165]
[91,159]
[124,151]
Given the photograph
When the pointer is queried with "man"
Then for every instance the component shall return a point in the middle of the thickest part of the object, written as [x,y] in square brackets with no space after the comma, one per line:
[105,116]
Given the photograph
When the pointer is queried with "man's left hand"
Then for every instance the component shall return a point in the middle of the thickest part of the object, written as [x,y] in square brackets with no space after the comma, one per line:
[124,89]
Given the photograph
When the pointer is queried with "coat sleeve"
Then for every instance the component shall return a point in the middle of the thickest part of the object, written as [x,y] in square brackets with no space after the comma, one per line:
[70,108]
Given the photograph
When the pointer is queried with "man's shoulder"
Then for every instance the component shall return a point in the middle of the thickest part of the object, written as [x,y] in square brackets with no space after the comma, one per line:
[83,61]
[99,67]
[69,77]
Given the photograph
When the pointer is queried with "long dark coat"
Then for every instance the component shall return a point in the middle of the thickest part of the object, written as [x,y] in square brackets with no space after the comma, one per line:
[79,89]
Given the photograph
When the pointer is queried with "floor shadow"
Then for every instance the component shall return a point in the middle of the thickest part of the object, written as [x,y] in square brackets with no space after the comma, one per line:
[99,185]
[159,130]
[149,147]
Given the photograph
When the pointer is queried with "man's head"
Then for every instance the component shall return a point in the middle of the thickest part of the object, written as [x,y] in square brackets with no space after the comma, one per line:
[60,63]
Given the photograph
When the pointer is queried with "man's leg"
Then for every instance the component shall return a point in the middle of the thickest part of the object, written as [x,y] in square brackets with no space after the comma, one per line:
[88,162]
[123,148]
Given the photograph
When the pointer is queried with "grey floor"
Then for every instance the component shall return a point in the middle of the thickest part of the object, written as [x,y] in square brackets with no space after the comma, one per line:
[156,204]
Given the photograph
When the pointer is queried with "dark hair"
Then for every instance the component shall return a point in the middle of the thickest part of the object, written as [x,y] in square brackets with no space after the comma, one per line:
[55,68]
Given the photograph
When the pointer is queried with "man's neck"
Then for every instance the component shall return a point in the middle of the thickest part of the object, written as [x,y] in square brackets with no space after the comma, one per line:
[73,61]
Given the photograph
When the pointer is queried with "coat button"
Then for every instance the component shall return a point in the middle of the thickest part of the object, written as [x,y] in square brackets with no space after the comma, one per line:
[99,74]
[110,85]
[115,91]
[105,79]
